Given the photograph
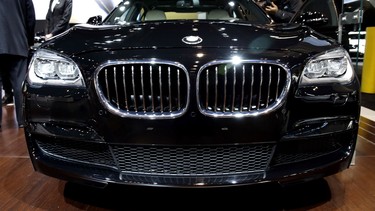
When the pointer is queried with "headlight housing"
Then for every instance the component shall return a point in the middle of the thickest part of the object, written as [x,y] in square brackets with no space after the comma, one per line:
[51,68]
[330,67]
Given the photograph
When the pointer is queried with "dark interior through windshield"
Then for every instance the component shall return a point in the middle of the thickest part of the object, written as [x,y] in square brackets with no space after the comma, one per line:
[164,10]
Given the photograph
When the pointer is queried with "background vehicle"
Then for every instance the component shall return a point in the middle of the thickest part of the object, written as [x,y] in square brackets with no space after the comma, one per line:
[357,42]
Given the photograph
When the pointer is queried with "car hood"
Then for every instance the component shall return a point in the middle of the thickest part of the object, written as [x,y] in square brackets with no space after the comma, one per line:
[189,34]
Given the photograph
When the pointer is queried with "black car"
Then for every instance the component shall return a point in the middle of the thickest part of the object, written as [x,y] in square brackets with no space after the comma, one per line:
[191,93]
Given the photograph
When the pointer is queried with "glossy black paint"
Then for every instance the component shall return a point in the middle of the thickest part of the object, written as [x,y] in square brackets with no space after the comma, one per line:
[309,114]
[156,35]
[100,52]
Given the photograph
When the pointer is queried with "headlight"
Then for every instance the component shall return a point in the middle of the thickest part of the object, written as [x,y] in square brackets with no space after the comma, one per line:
[48,67]
[331,66]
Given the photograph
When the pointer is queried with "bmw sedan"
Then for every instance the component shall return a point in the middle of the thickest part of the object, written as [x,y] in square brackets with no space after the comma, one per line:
[191,93]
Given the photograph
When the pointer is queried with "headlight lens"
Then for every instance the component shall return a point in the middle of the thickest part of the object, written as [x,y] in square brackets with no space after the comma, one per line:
[51,68]
[332,66]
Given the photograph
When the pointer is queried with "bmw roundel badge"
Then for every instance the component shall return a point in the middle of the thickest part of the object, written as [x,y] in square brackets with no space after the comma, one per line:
[192,40]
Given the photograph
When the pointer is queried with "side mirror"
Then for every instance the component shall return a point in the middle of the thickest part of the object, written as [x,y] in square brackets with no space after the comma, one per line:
[312,19]
[95,20]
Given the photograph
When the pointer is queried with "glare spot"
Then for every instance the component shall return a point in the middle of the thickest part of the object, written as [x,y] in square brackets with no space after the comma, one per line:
[236,60]
[200,55]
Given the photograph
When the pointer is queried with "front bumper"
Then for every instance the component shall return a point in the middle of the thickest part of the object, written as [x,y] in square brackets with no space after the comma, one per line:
[301,155]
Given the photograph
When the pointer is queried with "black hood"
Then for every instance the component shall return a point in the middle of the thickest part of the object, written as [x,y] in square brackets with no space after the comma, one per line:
[204,34]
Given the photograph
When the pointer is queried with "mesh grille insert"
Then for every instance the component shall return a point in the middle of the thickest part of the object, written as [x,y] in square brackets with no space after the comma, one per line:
[216,160]
[86,152]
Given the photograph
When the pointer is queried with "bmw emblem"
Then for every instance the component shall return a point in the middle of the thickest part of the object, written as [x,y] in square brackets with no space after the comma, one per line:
[192,40]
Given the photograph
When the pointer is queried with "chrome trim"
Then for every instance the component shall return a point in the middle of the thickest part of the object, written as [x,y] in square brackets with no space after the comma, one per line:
[243,87]
[216,83]
[106,81]
[134,91]
[251,88]
[179,90]
[115,82]
[260,87]
[269,86]
[251,110]
[152,92]
[170,89]
[124,85]
[278,82]
[192,40]
[225,87]
[137,114]
[143,91]
[207,90]
[161,91]
[234,89]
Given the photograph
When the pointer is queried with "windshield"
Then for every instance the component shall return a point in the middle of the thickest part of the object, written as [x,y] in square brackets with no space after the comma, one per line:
[163,10]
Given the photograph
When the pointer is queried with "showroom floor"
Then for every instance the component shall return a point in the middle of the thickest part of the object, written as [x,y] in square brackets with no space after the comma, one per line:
[21,188]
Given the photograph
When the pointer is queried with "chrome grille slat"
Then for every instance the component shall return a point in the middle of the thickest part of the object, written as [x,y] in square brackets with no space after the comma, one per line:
[243,87]
[143,89]
[106,82]
[178,90]
[225,89]
[134,95]
[124,86]
[152,91]
[207,84]
[278,82]
[260,87]
[234,88]
[216,83]
[161,91]
[251,88]
[115,82]
[170,89]
[269,85]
